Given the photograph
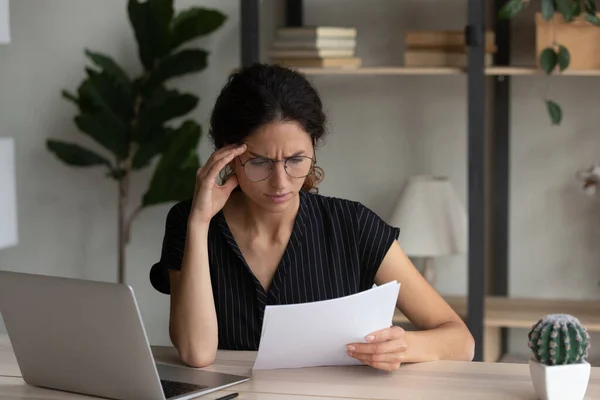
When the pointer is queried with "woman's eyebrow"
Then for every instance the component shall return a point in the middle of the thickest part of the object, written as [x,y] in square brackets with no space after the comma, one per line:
[298,153]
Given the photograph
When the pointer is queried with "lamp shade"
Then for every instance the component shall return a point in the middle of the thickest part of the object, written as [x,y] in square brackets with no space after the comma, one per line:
[431,217]
[8,194]
[4,22]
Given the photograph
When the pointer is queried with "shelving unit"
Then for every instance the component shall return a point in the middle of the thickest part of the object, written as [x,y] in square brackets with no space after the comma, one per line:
[488,119]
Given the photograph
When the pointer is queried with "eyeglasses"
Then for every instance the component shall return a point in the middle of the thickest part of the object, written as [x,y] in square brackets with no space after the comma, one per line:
[260,168]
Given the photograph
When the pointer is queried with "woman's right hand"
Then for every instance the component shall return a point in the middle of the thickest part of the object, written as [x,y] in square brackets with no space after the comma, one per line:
[210,197]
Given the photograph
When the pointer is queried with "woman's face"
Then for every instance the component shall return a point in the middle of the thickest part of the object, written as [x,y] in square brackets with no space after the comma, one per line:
[265,182]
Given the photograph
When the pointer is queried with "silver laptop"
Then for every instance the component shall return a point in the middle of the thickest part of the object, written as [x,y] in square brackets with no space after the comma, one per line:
[88,337]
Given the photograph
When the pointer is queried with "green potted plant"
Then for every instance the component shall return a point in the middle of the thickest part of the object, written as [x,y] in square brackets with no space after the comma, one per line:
[131,117]
[559,345]
[556,56]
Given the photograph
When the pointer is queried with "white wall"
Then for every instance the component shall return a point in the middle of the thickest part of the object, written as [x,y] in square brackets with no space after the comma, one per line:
[67,217]
[382,129]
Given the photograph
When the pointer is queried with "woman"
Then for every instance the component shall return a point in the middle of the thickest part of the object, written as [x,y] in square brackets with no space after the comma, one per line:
[263,237]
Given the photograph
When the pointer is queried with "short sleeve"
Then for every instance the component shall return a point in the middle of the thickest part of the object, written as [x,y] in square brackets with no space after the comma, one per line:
[173,245]
[375,236]
[175,233]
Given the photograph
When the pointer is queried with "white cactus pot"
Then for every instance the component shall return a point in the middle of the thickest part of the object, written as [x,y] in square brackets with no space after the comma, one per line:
[560,382]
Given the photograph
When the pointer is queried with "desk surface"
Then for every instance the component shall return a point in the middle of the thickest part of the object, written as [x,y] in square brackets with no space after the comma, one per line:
[441,379]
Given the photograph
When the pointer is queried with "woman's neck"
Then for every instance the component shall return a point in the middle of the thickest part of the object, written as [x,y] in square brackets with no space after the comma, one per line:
[260,222]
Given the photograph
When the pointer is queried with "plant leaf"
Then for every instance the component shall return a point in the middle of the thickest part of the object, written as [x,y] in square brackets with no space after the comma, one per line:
[139,17]
[178,64]
[108,65]
[70,96]
[565,8]
[151,22]
[193,23]
[163,106]
[75,155]
[590,6]
[554,111]
[547,9]
[575,9]
[112,69]
[181,188]
[510,9]
[162,15]
[100,127]
[174,178]
[593,19]
[86,101]
[548,59]
[105,93]
[155,143]
[104,113]
[563,58]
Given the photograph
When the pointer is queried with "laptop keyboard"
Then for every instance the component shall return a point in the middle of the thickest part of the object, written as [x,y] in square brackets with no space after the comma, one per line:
[173,388]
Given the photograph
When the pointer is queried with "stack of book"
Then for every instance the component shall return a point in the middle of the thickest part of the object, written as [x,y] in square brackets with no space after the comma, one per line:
[315,46]
[442,49]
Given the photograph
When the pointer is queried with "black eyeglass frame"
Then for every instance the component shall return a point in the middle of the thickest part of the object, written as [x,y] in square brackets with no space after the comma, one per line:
[273,162]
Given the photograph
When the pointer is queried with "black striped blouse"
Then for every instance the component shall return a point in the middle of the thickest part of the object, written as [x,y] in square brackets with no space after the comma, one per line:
[335,250]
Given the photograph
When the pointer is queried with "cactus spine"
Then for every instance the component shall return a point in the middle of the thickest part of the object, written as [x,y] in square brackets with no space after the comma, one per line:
[559,339]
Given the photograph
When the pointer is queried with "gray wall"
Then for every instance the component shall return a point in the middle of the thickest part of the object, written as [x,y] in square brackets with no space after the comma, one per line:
[382,130]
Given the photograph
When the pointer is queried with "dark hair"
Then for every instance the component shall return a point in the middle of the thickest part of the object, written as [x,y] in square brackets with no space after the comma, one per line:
[260,94]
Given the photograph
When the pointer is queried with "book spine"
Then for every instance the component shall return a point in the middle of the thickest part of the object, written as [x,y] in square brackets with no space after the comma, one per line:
[311,53]
[441,39]
[314,44]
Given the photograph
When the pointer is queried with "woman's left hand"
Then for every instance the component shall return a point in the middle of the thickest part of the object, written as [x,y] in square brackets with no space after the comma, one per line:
[384,349]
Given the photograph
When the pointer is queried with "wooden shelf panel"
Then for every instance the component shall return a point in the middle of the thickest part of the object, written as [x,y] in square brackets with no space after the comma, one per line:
[400,70]
[392,70]
[523,313]
[537,71]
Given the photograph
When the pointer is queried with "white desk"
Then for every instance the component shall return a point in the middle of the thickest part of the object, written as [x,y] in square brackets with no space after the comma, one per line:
[448,380]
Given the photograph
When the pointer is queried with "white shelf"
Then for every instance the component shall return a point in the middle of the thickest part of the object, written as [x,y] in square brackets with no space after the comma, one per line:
[400,70]
[392,70]
[537,71]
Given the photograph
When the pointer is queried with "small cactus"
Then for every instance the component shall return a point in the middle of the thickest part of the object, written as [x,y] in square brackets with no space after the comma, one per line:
[559,339]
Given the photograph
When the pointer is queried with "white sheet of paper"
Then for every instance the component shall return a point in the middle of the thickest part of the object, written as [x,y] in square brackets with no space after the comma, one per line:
[316,334]
[9,233]
[4,22]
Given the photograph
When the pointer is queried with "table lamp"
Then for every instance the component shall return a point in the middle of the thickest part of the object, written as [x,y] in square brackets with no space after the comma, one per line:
[8,194]
[432,220]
